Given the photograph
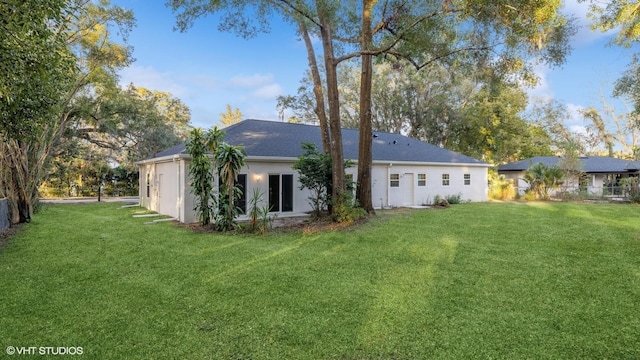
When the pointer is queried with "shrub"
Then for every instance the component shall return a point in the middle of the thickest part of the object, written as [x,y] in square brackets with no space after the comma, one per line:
[348,211]
[314,168]
[529,195]
[259,219]
[501,188]
[454,199]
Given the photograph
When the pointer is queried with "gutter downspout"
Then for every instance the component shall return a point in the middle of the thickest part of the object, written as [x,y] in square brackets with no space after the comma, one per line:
[178,194]
[389,185]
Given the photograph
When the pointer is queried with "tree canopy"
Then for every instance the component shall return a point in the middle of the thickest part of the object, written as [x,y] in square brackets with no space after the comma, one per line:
[60,99]
[36,65]
[230,116]
[501,35]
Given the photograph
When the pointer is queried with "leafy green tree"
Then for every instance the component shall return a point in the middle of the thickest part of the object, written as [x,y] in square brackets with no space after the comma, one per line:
[622,14]
[208,153]
[35,71]
[35,65]
[84,28]
[627,86]
[314,168]
[551,116]
[230,160]
[473,114]
[129,124]
[570,163]
[616,132]
[201,175]
[230,116]
[148,122]
[492,127]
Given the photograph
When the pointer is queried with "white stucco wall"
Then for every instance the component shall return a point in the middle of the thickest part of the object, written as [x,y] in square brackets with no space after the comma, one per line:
[257,178]
[409,192]
[170,192]
[166,187]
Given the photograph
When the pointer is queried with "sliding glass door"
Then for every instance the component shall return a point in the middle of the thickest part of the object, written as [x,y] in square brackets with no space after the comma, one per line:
[281,192]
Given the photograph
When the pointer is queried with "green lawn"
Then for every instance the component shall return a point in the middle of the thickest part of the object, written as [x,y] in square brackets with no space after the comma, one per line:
[508,281]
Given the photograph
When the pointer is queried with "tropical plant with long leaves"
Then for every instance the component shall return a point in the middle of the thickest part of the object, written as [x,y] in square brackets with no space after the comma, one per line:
[200,171]
[259,219]
[542,178]
[230,160]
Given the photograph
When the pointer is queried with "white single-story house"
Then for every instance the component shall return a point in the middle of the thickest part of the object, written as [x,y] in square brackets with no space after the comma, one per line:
[600,175]
[405,172]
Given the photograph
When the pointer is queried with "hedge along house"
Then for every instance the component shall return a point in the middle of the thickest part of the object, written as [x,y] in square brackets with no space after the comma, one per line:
[600,174]
[405,172]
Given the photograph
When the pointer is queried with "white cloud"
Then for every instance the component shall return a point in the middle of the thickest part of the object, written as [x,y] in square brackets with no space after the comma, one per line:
[206,82]
[269,92]
[207,95]
[150,78]
[251,81]
[584,36]
[575,120]
[578,129]
[543,89]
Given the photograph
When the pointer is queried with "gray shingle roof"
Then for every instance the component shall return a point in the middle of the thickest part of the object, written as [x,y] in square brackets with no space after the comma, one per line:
[283,140]
[590,164]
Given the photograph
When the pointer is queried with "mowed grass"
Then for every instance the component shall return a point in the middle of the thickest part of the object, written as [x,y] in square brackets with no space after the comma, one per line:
[492,280]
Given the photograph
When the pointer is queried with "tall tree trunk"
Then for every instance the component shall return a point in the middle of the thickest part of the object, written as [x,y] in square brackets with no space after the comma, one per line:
[365,159]
[23,165]
[337,156]
[320,108]
[15,177]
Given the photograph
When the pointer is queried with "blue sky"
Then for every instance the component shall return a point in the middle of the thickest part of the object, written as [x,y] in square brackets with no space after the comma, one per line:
[208,69]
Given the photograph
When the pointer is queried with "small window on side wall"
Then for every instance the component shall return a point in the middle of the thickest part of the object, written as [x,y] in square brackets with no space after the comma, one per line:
[422,179]
[445,179]
[467,179]
[394,180]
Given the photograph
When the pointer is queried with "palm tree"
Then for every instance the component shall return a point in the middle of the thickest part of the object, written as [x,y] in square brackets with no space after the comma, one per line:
[230,159]
[541,178]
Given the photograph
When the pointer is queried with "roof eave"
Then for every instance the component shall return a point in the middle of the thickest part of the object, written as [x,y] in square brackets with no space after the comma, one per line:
[162,159]
[429,163]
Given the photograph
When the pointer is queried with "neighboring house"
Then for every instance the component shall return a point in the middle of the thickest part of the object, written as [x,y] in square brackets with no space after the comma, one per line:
[600,174]
[405,171]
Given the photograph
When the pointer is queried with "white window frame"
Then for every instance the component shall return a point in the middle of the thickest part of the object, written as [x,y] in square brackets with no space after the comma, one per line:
[446,180]
[422,179]
[394,180]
